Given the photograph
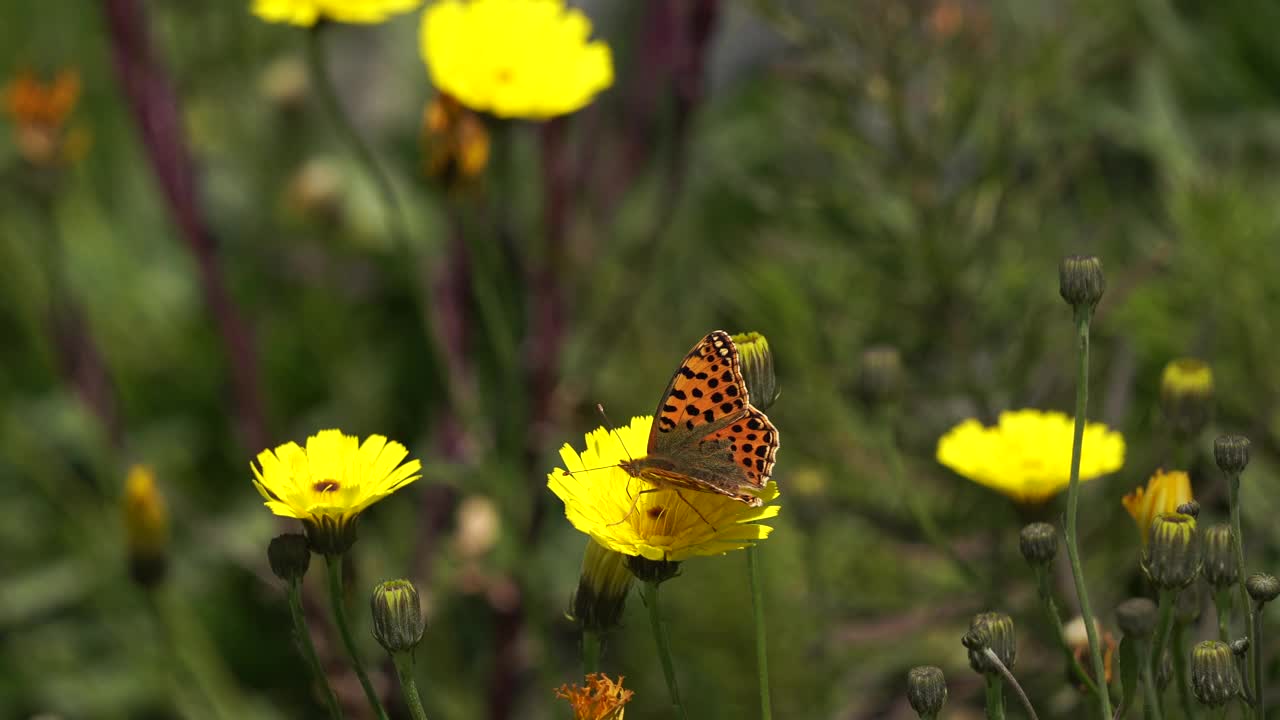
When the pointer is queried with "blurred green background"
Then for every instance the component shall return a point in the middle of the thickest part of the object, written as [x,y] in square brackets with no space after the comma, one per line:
[836,175]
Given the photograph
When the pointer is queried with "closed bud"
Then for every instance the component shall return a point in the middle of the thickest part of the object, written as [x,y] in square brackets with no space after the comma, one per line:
[1039,543]
[1190,507]
[146,524]
[602,589]
[397,616]
[995,631]
[654,571]
[1220,568]
[1137,617]
[1240,647]
[1172,556]
[289,556]
[880,378]
[1263,588]
[1232,453]
[1186,395]
[1080,280]
[1214,679]
[926,691]
[755,360]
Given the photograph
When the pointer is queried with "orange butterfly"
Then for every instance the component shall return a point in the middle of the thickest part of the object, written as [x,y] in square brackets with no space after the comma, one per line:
[706,435]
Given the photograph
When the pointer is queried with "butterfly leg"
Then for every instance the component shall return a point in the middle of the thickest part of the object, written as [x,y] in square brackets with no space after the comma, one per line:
[635,500]
[695,510]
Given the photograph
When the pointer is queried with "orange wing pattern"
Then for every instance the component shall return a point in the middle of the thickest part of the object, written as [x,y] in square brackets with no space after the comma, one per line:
[706,387]
[753,440]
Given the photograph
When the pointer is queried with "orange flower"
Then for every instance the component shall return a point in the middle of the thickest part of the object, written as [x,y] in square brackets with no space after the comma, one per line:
[39,111]
[599,699]
[1164,492]
[1076,638]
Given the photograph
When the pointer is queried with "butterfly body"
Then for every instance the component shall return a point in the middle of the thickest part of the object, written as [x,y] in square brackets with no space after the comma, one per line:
[706,435]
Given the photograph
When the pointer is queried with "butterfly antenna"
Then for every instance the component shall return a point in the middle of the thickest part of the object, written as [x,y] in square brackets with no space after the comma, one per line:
[613,430]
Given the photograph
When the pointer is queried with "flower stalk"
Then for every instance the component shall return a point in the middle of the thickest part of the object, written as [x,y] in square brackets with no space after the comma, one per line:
[308,649]
[404,668]
[994,659]
[1180,671]
[649,593]
[1252,675]
[995,697]
[762,652]
[334,566]
[592,645]
[1051,610]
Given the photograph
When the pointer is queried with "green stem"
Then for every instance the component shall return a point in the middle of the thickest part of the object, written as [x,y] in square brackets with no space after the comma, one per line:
[591,647]
[404,668]
[303,637]
[762,652]
[1168,599]
[1233,488]
[1051,609]
[1151,703]
[919,513]
[1013,683]
[334,563]
[649,592]
[1222,602]
[995,698]
[1255,645]
[1180,671]
[323,81]
[1082,316]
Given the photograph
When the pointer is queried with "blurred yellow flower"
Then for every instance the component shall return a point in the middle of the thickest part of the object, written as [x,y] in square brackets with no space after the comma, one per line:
[309,12]
[146,525]
[1164,492]
[603,501]
[331,482]
[514,58]
[600,698]
[1027,455]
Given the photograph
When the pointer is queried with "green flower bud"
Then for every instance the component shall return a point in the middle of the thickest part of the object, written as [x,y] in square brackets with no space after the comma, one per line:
[289,556]
[1214,679]
[602,589]
[1039,543]
[1186,395]
[1172,556]
[654,571]
[1190,507]
[1232,453]
[1080,280]
[995,631]
[1263,588]
[1220,568]
[880,378]
[755,360]
[1137,617]
[397,616]
[926,691]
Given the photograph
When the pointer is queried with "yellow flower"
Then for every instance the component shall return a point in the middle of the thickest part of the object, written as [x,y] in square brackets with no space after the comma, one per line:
[603,501]
[146,525]
[309,12]
[599,699]
[1027,455]
[514,58]
[1164,492]
[331,482]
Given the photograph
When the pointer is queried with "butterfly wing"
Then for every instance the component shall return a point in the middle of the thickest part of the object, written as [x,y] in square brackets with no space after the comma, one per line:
[707,386]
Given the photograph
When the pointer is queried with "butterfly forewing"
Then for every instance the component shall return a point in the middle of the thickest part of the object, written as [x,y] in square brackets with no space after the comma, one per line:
[707,386]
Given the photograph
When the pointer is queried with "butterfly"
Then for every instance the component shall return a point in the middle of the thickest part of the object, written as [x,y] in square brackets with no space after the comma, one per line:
[706,435]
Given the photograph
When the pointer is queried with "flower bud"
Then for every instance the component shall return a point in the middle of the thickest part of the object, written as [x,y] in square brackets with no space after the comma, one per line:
[926,691]
[289,556]
[1263,588]
[285,84]
[1080,280]
[1220,568]
[1039,543]
[1214,679]
[397,616]
[1190,507]
[1186,395]
[146,524]
[602,589]
[1232,453]
[1172,556]
[1240,647]
[755,360]
[654,571]
[1164,492]
[995,631]
[1137,617]
[880,378]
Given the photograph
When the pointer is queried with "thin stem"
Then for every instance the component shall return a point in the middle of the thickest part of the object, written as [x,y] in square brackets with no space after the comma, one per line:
[1255,651]
[649,592]
[1151,703]
[1255,644]
[1013,683]
[303,637]
[318,64]
[1222,602]
[1180,671]
[1082,314]
[995,698]
[334,563]
[1051,609]
[591,646]
[762,652]
[404,668]
[1168,599]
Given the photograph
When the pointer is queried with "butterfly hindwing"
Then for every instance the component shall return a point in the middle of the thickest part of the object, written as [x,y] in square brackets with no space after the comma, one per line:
[753,442]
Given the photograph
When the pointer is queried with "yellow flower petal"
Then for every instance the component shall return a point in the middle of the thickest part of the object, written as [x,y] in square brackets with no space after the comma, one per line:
[308,12]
